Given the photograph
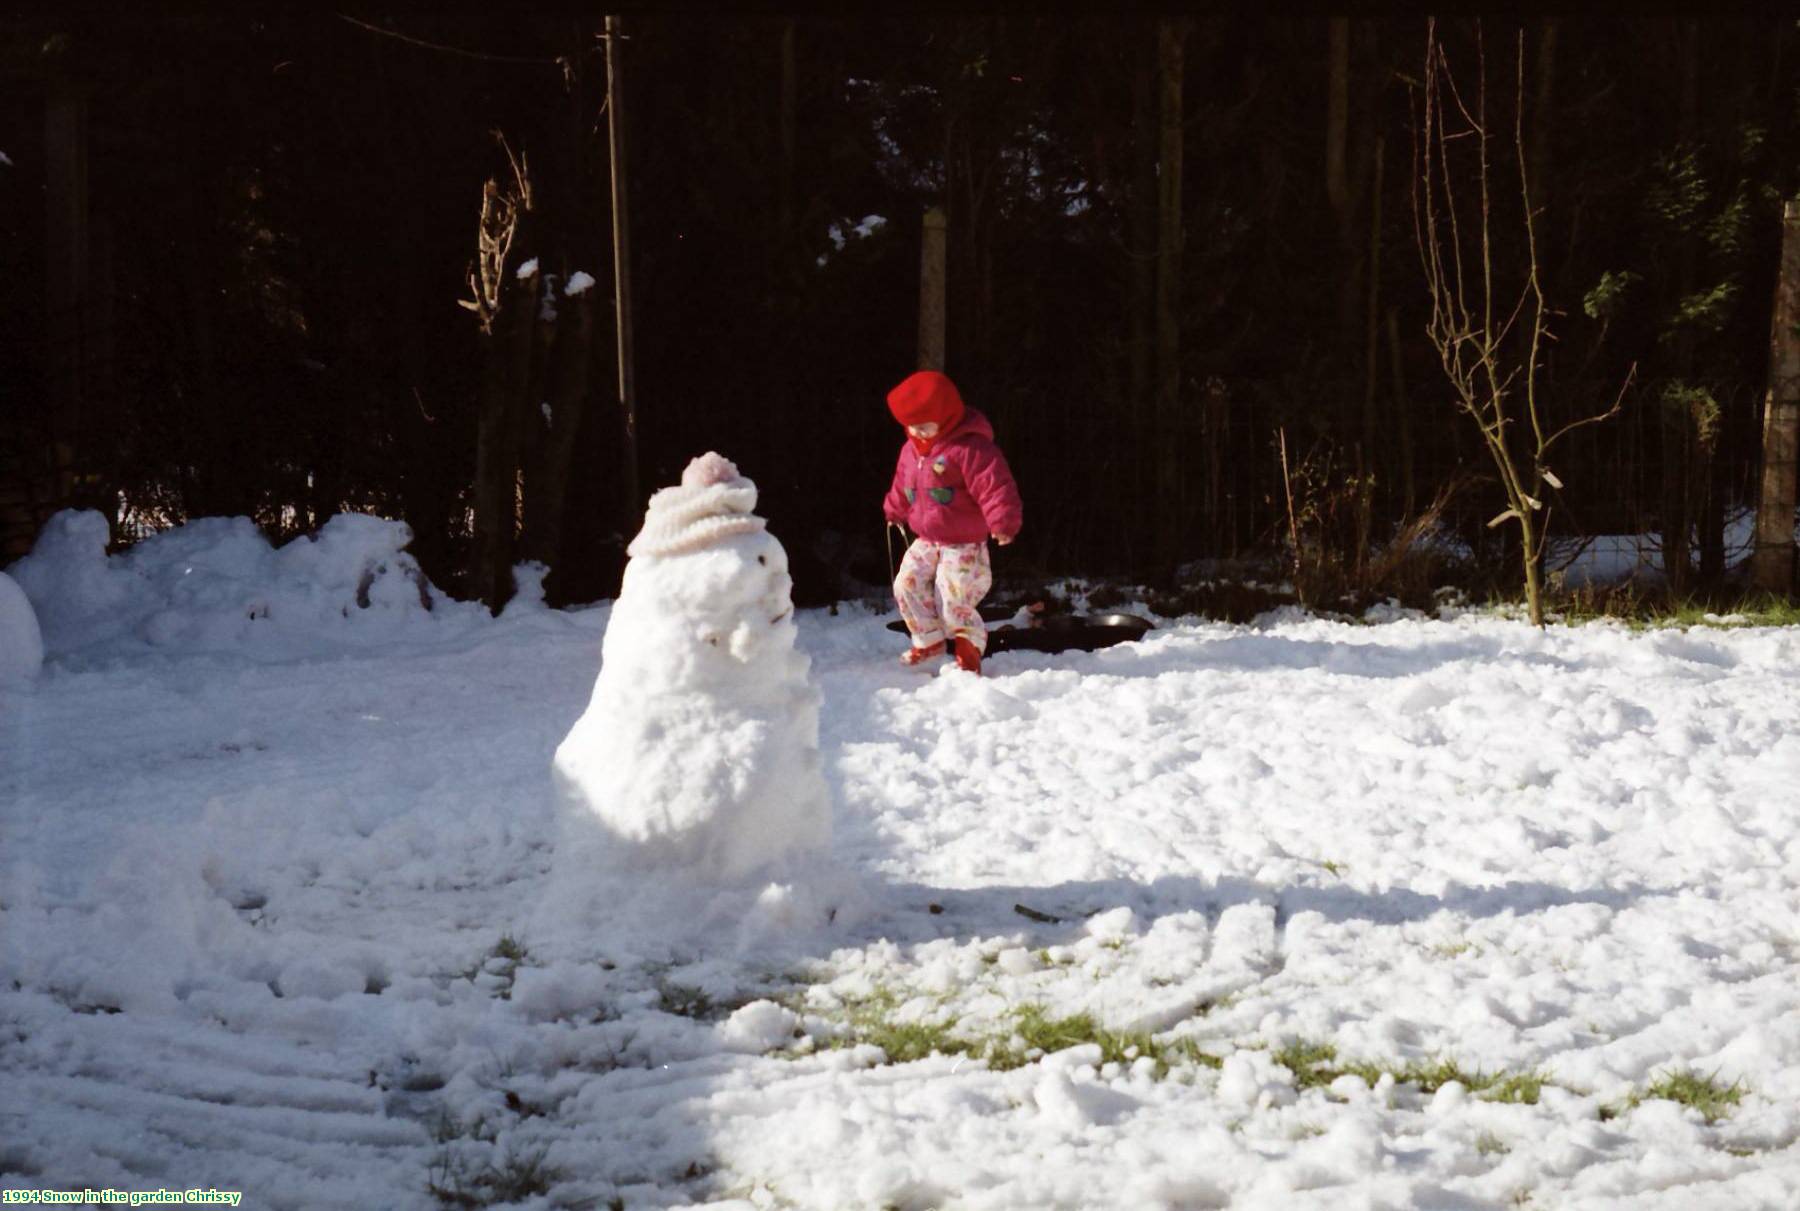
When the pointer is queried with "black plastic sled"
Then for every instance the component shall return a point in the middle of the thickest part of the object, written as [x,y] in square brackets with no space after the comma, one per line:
[1056,632]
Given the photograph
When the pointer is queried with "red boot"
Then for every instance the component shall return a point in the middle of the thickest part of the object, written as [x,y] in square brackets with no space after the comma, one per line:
[914,656]
[968,656]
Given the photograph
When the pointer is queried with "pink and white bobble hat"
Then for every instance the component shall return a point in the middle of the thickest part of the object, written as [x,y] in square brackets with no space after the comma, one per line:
[711,502]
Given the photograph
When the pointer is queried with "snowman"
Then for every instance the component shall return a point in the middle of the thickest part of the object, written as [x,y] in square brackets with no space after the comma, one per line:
[699,751]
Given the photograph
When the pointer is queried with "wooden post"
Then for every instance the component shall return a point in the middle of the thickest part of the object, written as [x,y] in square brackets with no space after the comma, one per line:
[621,234]
[1772,564]
[931,289]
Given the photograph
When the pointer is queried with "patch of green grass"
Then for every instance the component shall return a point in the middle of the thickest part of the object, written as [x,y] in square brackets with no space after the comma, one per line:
[904,1042]
[1489,1144]
[512,955]
[457,1181]
[1519,1089]
[1433,1076]
[1031,1033]
[1645,609]
[1704,1093]
[1040,1032]
[684,1000]
[1188,1051]
[871,1021]
[1313,1064]
[1316,1065]
[517,1177]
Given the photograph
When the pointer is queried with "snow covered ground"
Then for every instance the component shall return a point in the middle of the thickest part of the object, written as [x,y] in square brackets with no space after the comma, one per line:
[273,922]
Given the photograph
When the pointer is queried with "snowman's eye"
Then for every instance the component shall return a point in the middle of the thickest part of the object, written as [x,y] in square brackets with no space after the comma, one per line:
[762,559]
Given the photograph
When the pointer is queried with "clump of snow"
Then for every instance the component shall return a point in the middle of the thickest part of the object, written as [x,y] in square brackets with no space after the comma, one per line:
[758,1027]
[580,282]
[528,587]
[527,269]
[21,640]
[217,583]
[699,750]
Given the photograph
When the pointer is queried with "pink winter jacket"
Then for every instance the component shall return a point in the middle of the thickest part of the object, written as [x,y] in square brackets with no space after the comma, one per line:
[959,493]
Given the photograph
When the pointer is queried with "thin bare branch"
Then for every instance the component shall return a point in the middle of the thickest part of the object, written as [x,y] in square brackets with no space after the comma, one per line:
[1618,405]
[1537,322]
[560,61]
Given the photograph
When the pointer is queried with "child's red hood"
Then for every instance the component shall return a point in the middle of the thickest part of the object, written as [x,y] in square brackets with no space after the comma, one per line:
[923,397]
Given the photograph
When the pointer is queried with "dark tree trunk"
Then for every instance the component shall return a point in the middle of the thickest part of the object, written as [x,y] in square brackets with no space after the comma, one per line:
[1337,186]
[547,486]
[1681,459]
[1170,499]
[506,385]
[1140,238]
[1772,565]
[1543,123]
[66,263]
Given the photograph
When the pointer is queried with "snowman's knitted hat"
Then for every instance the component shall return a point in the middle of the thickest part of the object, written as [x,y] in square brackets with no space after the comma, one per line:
[711,502]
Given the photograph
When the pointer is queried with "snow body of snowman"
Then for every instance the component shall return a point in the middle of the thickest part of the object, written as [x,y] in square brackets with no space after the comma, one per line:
[699,750]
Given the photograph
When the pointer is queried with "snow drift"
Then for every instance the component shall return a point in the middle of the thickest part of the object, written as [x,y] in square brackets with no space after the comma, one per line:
[216,582]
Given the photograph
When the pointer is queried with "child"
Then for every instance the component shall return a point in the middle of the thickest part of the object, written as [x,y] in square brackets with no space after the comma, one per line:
[952,489]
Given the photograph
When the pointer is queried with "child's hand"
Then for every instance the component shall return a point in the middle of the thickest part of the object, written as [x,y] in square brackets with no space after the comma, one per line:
[1003,539]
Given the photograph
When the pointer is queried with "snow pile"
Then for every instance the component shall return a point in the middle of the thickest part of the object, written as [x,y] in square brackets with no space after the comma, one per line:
[21,642]
[216,583]
[580,282]
[699,751]
[78,593]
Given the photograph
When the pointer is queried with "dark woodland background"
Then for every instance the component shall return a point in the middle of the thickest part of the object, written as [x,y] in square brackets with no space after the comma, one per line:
[1172,243]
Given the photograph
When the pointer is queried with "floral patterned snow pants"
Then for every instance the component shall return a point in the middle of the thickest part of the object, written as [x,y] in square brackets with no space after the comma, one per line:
[938,588]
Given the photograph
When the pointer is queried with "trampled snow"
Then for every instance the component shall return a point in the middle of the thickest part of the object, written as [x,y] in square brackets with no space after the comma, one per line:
[268,918]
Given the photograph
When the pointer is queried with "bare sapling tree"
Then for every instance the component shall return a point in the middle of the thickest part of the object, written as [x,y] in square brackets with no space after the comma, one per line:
[1491,347]
[504,304]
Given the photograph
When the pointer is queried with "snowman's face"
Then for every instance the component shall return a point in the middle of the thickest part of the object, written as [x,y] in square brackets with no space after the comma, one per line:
[720,608]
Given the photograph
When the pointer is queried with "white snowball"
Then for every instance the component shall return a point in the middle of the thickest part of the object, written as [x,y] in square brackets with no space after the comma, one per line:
[758,1027]
[21,641]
